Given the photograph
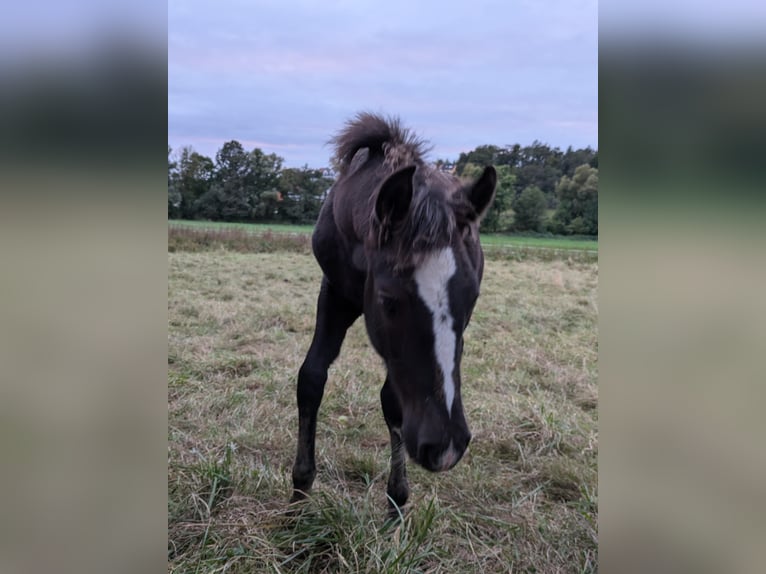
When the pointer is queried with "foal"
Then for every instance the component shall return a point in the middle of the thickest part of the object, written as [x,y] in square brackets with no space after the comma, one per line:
[398,241]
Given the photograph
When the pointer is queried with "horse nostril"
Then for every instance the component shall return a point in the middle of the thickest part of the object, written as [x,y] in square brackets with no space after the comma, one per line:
[429,456]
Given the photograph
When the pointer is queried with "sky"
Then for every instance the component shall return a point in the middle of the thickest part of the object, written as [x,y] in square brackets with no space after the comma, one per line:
[284,76]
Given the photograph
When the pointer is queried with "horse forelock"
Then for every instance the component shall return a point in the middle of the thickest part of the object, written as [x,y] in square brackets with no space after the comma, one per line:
[434,216]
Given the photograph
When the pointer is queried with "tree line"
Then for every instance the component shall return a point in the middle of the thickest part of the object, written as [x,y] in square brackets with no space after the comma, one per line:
[540,189]
[242,186]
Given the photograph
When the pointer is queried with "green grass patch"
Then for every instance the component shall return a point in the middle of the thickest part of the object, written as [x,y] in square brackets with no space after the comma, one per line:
[539,242]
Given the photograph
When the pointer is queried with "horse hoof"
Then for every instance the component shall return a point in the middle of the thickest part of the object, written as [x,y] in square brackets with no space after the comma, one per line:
[395,513]
[298,496]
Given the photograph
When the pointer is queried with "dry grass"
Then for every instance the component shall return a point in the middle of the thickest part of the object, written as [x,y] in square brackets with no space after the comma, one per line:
[524,498]
[188,238]
[191,236]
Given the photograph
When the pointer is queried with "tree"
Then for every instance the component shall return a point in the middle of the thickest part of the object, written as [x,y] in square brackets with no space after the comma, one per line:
[302,191]
[539,166]
[244,185]
[577,212]
[529,209]
[573,158]
[263,181]
[194,175]
[230,196]
[174,197]
[510,155]
[482,155]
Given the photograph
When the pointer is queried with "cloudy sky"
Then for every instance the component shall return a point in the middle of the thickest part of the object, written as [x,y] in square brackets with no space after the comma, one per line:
[283,75]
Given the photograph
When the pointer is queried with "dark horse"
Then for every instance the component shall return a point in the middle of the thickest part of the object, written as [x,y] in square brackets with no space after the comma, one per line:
[398,241]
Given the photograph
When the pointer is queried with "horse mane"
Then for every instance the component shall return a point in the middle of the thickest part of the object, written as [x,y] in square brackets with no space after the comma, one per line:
[382,137]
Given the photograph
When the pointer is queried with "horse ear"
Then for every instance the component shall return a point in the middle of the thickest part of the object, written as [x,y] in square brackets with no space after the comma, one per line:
[483,191]
[394,197]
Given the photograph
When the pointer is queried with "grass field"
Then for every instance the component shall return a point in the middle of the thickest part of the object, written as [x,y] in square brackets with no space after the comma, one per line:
[523,499]
[502,240]
[253,227]
[539,242]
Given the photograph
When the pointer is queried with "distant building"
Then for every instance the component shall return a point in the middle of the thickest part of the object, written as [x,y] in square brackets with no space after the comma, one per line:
[328,172]
[446,166]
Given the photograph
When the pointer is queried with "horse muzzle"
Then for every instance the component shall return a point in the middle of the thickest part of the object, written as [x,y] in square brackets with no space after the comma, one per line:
[438,451]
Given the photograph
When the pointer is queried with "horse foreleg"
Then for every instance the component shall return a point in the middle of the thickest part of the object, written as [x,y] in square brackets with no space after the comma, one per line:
[334,316]
[398,489]
[310,390]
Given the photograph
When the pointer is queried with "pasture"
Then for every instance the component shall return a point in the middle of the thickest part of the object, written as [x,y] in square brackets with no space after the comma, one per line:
[523,499]
[561,243]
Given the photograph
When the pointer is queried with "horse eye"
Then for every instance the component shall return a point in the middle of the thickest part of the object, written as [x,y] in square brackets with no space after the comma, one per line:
[388,304]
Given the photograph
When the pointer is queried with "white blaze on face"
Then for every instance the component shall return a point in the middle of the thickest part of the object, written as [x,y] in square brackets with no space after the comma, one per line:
[432,277]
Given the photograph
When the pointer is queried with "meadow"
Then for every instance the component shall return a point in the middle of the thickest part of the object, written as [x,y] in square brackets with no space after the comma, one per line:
[488,239]
[523,499]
